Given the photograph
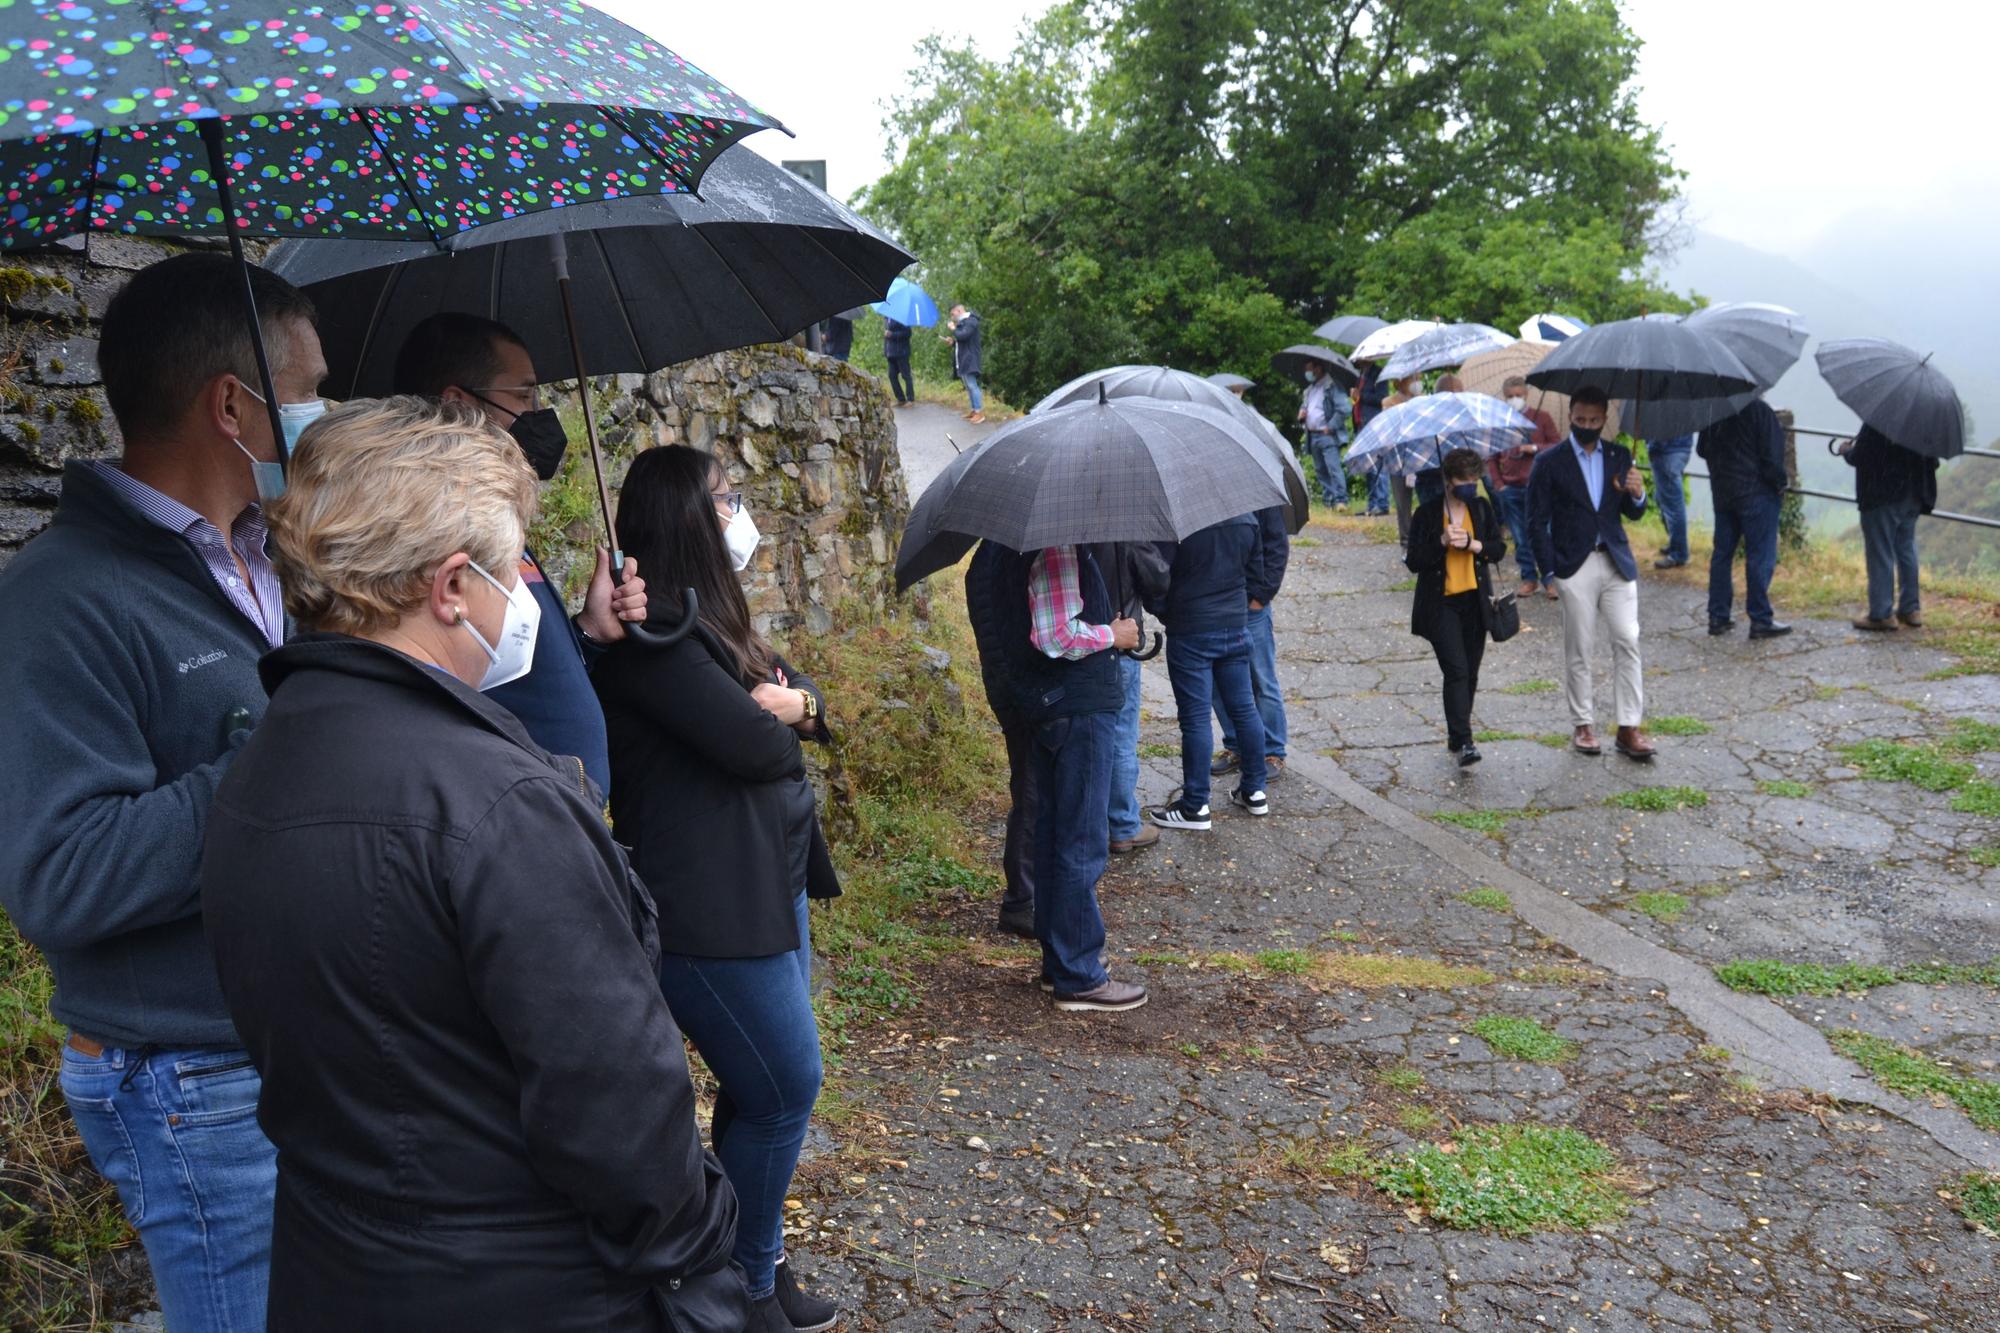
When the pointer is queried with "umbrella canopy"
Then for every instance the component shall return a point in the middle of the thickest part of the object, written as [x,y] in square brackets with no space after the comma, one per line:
[1446,345]
[1348,330]
[1165,385]
[1232,382]
[1125,469]
[1897,392]
[1290,364]
[1551,329]
[1415,436]
[1378,345]
[1643,360]
[1767,339]
[761,255]
[1490,371]
[907,303]
[393,120]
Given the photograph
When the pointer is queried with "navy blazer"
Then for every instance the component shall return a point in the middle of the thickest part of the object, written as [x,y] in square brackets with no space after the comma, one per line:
[1564,526]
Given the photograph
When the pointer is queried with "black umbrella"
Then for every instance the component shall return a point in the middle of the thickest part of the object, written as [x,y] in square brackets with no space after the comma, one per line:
[1349,330]
[1168,385]
[1114,470]
[1897,392]
[1642,360]
[1291,364]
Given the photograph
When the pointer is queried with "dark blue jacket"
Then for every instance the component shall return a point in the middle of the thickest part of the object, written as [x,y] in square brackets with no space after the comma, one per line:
[1274,547]
[555,700]
[1209,577]
[1023,684]
[1374,389]
[1885,473]
[1746,455]
[895,340]
[967,353]
[1566,529]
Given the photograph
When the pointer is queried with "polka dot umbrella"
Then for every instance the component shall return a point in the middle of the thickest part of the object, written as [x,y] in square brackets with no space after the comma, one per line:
[406,119]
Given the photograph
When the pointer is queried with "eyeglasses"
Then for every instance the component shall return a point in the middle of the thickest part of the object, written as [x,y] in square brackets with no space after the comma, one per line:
[730,500]
[531,392]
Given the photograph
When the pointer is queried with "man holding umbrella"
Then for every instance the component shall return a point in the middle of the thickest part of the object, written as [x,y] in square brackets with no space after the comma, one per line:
[134,626]
[963,332]
[1747,477]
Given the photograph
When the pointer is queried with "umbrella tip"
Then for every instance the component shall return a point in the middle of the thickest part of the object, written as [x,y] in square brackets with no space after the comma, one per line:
[1927,358]
[1103,399]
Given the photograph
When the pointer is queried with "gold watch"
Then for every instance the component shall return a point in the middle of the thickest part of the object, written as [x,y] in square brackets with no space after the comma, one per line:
[812,705]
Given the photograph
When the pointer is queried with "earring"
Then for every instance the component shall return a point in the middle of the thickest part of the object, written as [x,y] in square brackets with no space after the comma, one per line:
[458,615]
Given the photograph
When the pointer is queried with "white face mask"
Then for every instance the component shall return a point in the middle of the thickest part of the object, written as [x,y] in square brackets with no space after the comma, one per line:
[741,537]
[1516,401]
[511,657]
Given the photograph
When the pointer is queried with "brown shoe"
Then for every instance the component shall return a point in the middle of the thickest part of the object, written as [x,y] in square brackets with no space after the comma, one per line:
[1632,743]
[1549,590]
[1914,619]
[1584,741]
[1111,998]
[1274,767]
[976,418]
[1147,835]
[1527,589]
[1871,624]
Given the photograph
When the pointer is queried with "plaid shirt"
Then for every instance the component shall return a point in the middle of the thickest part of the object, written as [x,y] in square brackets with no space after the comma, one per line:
[1055,608]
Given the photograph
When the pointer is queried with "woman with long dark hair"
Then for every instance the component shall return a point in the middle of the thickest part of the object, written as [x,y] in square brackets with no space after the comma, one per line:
[709,786]
[1455,540]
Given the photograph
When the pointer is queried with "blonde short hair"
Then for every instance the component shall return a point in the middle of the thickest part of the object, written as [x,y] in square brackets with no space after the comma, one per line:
[379,493]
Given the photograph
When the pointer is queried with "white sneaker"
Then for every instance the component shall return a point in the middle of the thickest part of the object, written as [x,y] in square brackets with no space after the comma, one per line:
[1253,801]
[1174,816]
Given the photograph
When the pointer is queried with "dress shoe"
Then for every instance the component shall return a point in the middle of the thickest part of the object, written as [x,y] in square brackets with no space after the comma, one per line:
[1111,997]
[1017,923]
[1468,756]
[1549,591]
[1632,743]
[1584,741]
[1716,628]
[1772,630]
[1147,835]
[1914,619]
[1668,562]
[1871,624]
[1274,767]
[1527,589]
[1225,762]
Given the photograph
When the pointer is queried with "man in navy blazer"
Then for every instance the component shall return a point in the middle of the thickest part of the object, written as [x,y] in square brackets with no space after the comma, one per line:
[1580,492]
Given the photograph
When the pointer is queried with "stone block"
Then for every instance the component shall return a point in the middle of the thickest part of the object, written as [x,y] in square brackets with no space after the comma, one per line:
[66,361]
[760,409]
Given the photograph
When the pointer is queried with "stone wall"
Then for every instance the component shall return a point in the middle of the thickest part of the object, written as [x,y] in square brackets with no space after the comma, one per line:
[810,441]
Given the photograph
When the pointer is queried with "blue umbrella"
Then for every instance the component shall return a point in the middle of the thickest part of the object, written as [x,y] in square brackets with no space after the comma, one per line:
[908,304]
[1552,328]
[1415,436]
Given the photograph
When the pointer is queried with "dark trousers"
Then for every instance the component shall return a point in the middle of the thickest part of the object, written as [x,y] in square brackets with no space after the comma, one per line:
[1752,523]
[1889,533]
[1072,843]
[900,383]
[1458,637]
[1018,860]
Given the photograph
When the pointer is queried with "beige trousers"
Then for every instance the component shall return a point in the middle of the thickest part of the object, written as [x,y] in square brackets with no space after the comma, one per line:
[1598,593]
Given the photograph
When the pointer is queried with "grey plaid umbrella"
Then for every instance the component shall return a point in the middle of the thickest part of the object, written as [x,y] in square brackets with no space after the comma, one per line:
[1291,364]
[1448,345]
[1767,339]
[1116,470]
[1897,392]
[1349,330]
[1168,385]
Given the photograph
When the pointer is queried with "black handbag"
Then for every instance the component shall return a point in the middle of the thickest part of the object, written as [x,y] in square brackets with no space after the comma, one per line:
[1504,620]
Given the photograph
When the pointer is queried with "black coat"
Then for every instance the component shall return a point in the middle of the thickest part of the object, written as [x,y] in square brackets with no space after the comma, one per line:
[1745,455]
[968,352]
[895,340]
[446,973]
[1424,554]
[1885,473]
[1209,577]
[1565,527]
[711,793]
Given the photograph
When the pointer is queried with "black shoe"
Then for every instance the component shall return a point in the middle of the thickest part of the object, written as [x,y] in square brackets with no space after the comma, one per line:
[1468,756]
[1719,627]
[1774,630]
[1253,801]
[767,1316]
[809,1314]
[1668,562]
[1018,923]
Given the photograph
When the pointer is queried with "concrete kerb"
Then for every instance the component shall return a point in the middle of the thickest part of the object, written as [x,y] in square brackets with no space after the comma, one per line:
[1761,1037]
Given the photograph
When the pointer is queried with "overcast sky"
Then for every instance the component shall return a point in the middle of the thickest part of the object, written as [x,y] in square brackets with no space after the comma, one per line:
[1786,114]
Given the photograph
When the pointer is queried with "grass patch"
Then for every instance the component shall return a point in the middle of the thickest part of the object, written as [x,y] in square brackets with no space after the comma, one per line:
[1416,1119]
[1305,542]
[1984,856]
[1155,750]
[1715,1055]
[1922,766]
[1490,822]
[1768,976]
[1493,737]
[1554,740]
[1285,962]
[1407,585]
[1667,907]
[1512,1179]
[1522,1039]
[1797,791]
[1678,726]
[1346,1159]
[1161,959]
[1657,800]
[1967,738]
[1555,974]
[1487,899]
[1403,1078]
[1978,1202]
[1900,1069]
[1344,936]
[1979,797]
[1531,687]
[1375,971]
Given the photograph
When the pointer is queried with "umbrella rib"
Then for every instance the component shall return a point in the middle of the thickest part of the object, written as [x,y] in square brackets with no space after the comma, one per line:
[619,303]
[366,116]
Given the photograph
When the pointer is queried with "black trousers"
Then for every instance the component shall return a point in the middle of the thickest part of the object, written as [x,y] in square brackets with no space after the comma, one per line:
[900,383]
[1458,637]
[1018,860]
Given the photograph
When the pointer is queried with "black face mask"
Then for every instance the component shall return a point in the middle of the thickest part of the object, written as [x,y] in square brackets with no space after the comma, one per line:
[541,437]
[1585,435]
[1466,490]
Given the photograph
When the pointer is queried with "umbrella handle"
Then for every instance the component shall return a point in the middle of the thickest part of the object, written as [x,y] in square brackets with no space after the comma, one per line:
[1147,655]
[666,638]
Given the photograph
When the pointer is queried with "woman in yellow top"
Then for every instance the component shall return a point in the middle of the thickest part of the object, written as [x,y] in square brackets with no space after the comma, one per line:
[1454,540]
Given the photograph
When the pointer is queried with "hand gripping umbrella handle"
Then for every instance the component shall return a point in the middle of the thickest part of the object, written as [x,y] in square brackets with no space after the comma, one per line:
[665,638]
[1147,655]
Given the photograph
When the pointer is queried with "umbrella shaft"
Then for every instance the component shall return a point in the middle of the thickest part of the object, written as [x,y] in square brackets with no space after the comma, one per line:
[590,428]
[211,138]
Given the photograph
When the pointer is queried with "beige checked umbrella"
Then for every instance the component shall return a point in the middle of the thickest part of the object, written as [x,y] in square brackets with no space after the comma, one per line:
[1487,372]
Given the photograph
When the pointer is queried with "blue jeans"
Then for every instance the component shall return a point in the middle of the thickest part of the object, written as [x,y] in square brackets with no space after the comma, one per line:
[1514,513]
[1072,817]
[1125,755]
[1889,538]
[752,1021]
[1209,668]
[1753,524]
[1378,491]
[1263,687]
[1325,451]
[176,1132]
[1669,462]
[972,393]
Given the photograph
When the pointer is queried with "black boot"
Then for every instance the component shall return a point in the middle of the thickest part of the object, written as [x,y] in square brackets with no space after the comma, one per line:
[809,1314]
[767,1316]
